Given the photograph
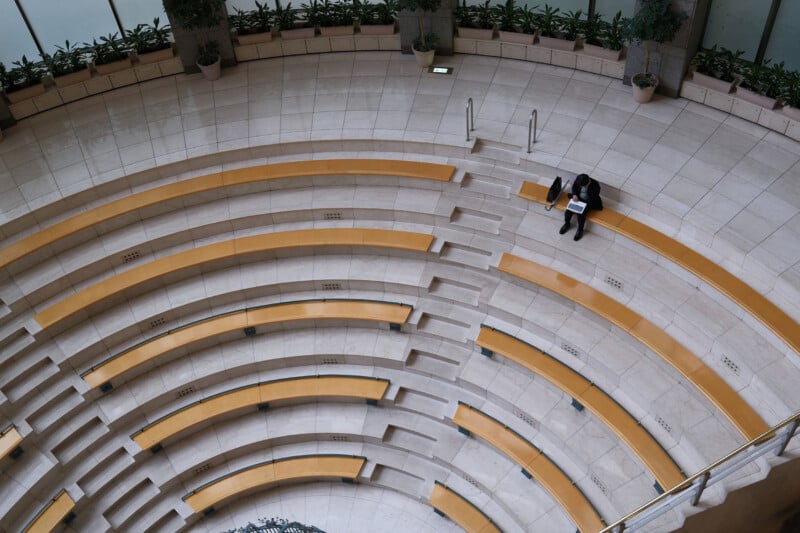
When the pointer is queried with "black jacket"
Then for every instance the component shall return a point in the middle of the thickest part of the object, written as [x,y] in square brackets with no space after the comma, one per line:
[594,201]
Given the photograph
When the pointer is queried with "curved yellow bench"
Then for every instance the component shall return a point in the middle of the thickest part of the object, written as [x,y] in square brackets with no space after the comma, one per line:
[769,314]
[260,475]
[51,516]
[533,461]
[9,440]
[400,240]
[367,388]
[460,510]
[620,421]
[197,331]
[218,180]
[690,366]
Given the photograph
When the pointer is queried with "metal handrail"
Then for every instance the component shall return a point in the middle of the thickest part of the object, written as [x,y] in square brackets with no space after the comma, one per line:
[532,120]
[703,476]
[470,117]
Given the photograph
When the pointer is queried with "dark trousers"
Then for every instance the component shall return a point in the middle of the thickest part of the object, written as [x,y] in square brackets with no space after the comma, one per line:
[581,218]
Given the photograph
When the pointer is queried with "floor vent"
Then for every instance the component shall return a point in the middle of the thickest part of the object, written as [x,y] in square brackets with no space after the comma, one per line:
[663,423]
[471,480]
[330,361]
[186,391]
[202,468]
[525,417]
[600,484]
[731,365]
[333,215]
[614,282]
[340,438]
[160,321]
[570,349]
[131,256]
[331,286]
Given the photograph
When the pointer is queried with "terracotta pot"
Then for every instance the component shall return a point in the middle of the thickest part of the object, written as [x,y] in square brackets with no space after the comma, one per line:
[516,37]
[791,112]
[74,77]
[213,71]
[377,29]
[601,52]
[644,94]
[755,98]
[255,38]
[298,33]
[336,31]
[424,59]
[713,83]
[556,43]
[155,57]
[114,66]
[25,94]
[475,33]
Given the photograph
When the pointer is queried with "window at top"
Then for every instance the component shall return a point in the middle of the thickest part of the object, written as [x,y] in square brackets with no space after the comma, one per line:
[75,20]
[15,39]
[134,12]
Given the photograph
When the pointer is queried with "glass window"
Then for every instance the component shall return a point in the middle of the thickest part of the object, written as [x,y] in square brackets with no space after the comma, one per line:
[783,39]
[15,40]
[609,8]
[736,25]
[75,20]
[134,12]
[250,5]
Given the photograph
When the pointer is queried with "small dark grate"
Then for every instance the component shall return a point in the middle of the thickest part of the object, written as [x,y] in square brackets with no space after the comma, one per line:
[160,321]
[570,349]
[525,417]
[131,256]
[331,286]
[333,215]
[614,282]
[663,423]
[731,365]
[186,391]
[600,485]
[471,480]
[202,468]
[329,361]
[340,438]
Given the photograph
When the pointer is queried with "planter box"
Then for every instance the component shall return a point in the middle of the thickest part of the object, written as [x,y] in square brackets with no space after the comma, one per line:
[713,83]
[25,94]
[75,77]
[557,44]
[755,98]
[516,38]
[114,66]
[297,33]
[475,33]
[337,31]
[791,112]
[155,57]
[601,52]
[255,38]
[376,29]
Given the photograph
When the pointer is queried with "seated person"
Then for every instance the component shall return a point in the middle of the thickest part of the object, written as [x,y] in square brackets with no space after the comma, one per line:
[584,189]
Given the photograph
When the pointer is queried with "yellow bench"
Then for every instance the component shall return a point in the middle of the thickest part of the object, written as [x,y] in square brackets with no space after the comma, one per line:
[218,180]
[654,457]
[367,388]
[769,314]
[693,368]
[290,469]
[306,310]
[10,439]
[51,515]
[534,462]
[458,509]
[401,240]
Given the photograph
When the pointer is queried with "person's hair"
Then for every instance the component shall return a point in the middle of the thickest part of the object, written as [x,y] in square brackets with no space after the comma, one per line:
[583,180]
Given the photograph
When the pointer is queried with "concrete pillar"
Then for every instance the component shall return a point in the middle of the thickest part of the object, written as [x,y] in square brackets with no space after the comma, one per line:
[187,44]
[670,61]
[6,120]
[441,23]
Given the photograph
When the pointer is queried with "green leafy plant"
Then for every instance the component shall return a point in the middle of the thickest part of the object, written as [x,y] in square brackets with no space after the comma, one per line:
[262,18]
[108,49]
[507,15]
[336,14]
[720,63]
[593,29]
[764,79]
[425,41]
[528,19]
[146,38]
[613,37]
[286,18]
[374,14]
[66,59]
[312,13]
[570,25]
[790,89]
[242,21]
[548,23]
[654,22]
[25,73]
[199,16]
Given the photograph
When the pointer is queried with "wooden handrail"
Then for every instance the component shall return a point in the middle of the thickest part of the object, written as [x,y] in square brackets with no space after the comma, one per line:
[460,510]
[51,515]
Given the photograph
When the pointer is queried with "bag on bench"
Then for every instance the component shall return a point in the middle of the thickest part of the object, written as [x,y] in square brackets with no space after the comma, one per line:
[553,193]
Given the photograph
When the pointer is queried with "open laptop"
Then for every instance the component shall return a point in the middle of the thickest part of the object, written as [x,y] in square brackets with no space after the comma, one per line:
[576,207]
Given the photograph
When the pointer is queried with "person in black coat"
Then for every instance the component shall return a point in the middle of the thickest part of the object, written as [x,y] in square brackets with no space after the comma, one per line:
[584,189]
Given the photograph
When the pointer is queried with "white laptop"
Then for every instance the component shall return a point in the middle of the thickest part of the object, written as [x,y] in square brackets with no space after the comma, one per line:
[576,207]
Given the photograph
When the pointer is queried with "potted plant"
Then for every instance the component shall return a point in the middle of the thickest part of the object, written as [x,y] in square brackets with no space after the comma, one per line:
[68,65]
[716,69]
[253,27]
[569,27]
[601,38]
[288,21]
[110,54]
[424,45]
[762,84]
[200,16]
[790,95]
[377,19]
[475,22]
[24,81]
[548,25]
[336,18]
[150,42]
[507,16]
[653,22]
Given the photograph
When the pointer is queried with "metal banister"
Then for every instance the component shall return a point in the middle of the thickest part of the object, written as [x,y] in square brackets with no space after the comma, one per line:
[532,120]
[761,444]
[470,117]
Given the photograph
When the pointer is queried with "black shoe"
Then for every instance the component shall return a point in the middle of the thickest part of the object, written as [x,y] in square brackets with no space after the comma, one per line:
[578,235]
[564,228]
